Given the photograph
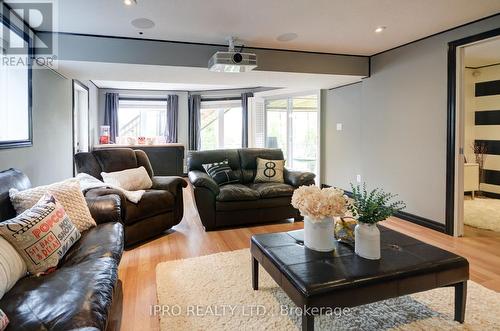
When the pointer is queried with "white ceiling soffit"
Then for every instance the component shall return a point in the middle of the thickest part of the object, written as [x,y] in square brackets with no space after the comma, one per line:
[333,26]
[155,86]
[483,53]
[135,76]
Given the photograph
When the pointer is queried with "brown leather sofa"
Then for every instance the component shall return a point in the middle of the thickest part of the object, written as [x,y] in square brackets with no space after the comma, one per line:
[80,293]
[244,202]
[160,208]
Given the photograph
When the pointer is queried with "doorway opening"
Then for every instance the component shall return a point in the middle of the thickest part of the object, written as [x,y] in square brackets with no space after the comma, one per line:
[292,124]
[81,123]
[473,176]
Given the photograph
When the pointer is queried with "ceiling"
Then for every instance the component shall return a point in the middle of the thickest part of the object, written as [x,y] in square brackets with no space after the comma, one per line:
[150,77]
[483,53]
[333,26]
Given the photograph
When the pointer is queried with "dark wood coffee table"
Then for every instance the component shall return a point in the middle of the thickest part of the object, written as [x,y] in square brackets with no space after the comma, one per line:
[342,279]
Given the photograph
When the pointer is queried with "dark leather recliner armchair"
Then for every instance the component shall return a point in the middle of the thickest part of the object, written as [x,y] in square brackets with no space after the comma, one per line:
[245,202]
[79,294]
[160,208]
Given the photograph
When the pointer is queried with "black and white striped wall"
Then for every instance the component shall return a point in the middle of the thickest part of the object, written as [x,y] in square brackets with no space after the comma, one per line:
[487,124]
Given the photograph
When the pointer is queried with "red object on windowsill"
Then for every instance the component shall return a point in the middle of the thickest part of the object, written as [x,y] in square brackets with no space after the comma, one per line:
[103,140]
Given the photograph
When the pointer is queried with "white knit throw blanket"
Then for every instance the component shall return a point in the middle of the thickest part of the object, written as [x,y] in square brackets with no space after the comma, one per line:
[88,182]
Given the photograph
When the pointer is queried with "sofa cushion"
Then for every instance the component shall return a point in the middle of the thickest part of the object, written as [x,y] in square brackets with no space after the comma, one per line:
[4,320]
[132,179]
[272,190]
[110,160]
[248,157]
[196,159]
[222,206]
[237,192]
[41,234]
[67,192]
[102,241]
[221,173]
[87,163]
[269,171]
[74,297]
[78,294]
[115,159]
[153,202]
[12,266]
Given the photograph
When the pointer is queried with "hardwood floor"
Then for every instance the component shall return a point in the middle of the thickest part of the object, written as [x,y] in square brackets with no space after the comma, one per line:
[188,239]
[470,231]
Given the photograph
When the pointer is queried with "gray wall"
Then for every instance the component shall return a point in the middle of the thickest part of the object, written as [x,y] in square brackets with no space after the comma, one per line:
[403,121]
[340,164]
[50,157]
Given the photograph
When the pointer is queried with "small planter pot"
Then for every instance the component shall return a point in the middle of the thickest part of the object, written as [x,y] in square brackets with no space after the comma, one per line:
[318,234]
[367,241]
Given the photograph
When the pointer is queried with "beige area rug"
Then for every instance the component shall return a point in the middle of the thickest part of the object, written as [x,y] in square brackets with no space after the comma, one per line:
[214,292]
[482,213]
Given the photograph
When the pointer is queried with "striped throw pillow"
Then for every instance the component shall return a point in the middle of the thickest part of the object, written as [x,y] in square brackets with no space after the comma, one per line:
[4,320]
[221,172]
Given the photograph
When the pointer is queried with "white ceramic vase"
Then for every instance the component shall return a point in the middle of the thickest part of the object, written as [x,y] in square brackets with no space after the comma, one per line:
[318,234]
[367,241]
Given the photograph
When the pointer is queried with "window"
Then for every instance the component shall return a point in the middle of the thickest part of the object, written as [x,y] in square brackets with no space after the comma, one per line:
[276,124]
[292,125]
[15,87]
[142,118]
[221,124]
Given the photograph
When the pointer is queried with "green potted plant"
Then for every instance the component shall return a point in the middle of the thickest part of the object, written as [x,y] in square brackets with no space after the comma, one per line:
[369,208]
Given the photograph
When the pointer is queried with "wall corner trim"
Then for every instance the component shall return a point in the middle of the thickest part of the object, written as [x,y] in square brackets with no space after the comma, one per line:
[428,223]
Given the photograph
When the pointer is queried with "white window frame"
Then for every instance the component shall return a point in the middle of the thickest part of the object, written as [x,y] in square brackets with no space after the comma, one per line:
[146,100]
[220,116]
[289,98]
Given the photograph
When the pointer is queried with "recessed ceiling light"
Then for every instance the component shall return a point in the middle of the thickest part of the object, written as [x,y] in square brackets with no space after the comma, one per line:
[289,36]
[143,23]
[130,2]
[380,29]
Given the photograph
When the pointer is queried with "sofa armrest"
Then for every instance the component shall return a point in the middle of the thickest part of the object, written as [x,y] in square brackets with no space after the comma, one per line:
[298,178]
[174,185]
[104,205]
[201,179]
[168,183]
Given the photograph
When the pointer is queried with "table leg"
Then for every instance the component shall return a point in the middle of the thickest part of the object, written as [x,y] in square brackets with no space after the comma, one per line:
[307,322]
[255,273]
[460,300]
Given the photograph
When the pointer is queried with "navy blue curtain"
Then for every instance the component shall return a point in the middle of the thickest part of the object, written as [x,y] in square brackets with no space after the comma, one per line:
[111,114]
[244,115]
[194,122]
[172,118]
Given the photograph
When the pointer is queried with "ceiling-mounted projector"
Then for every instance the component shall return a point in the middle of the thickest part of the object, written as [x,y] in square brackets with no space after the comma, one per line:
[232,61]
